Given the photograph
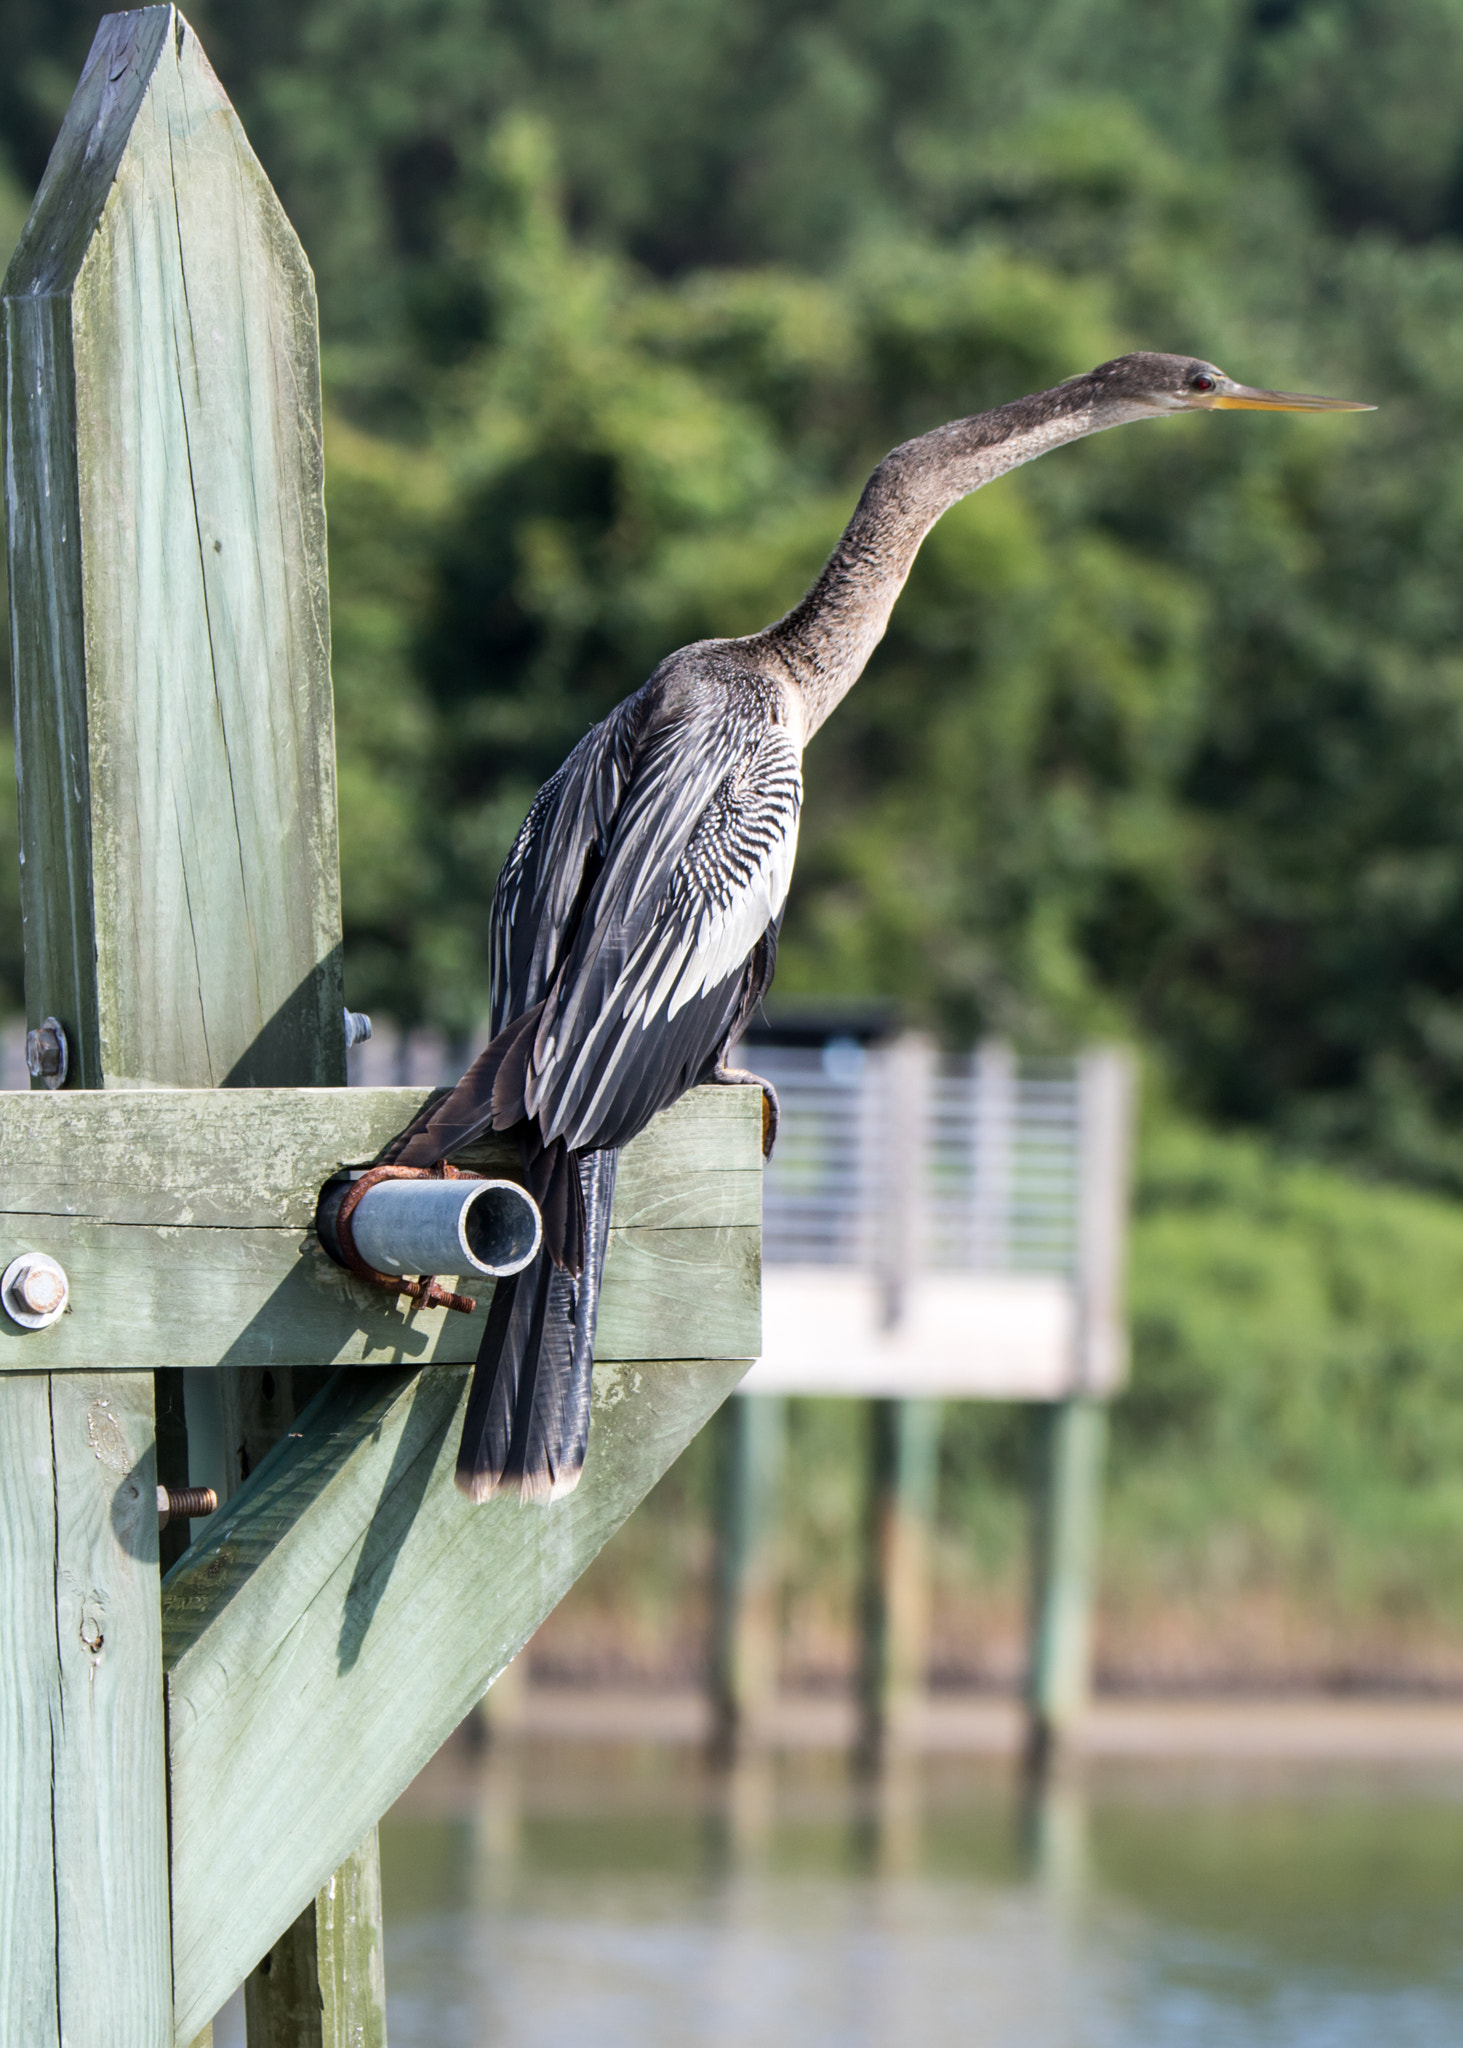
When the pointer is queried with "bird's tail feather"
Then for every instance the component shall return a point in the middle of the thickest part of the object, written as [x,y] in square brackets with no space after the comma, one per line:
[527,1422]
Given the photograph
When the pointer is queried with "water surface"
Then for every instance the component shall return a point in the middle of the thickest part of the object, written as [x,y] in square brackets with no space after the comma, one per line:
[563,1895]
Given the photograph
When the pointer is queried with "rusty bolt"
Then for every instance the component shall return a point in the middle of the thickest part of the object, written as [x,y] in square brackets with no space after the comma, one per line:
[34,1291]
[41,1288]
[430,1293]
[47,1055]
[187,1501]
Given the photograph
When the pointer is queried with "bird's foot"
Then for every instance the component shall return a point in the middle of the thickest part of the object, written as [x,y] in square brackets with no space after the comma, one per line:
[741,1077]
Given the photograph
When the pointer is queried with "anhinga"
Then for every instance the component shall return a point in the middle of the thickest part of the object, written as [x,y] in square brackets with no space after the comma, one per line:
[634,924]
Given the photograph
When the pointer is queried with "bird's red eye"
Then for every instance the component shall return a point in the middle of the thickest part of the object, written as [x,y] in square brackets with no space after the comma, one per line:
[1201,383]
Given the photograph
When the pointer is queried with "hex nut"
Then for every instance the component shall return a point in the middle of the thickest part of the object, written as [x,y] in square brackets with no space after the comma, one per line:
[47,1054]
[34,1291]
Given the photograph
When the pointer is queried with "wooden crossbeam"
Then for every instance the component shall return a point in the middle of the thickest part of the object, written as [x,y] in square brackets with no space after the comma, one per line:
[183,1220]
[349,1590]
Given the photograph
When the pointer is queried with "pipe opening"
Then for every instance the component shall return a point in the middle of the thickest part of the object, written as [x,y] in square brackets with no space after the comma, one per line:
[500,1227]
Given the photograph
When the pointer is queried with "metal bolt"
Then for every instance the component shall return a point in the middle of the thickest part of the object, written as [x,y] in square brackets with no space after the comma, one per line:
[357,1028]
[34,1291]
[40,1289]
[187,1501]
[47,1055]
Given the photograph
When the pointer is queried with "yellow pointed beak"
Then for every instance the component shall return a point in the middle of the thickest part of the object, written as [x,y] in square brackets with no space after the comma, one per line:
[1243,399]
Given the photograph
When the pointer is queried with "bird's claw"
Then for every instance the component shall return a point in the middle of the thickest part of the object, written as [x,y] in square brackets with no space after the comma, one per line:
[739,1077]
[771,1118]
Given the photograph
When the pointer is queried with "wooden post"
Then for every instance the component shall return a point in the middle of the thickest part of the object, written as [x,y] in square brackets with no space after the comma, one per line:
[904,1443]
[323,1983]
[179,884]
[751,1453]
[1069,1490]
[1068,1503]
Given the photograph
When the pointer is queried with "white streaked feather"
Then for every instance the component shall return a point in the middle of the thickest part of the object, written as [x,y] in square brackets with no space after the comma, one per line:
[724,941]
[697,863]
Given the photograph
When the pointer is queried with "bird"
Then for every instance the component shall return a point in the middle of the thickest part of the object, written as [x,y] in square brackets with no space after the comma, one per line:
[635,921]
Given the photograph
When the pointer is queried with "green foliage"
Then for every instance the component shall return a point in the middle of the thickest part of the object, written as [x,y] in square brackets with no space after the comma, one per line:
[1296,1415]
[1295,1418]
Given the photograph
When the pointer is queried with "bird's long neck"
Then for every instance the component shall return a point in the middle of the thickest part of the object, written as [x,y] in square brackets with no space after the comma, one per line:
[825,640]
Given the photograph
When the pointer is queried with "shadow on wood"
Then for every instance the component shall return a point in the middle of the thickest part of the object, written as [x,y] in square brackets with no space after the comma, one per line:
[256,1615]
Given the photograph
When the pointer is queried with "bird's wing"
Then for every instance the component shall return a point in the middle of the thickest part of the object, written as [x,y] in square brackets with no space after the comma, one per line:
[695,870]
[554,862]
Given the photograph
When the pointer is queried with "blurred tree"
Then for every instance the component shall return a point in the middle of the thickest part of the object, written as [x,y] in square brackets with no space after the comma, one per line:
[621,303]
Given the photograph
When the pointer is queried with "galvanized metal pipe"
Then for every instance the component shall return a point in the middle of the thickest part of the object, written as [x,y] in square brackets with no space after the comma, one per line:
[490,1227]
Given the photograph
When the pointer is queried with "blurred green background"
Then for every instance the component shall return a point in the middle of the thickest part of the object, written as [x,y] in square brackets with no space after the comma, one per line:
[621,299]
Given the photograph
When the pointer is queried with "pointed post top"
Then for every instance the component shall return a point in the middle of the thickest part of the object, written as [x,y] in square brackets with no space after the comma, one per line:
[89,147]
[170,616]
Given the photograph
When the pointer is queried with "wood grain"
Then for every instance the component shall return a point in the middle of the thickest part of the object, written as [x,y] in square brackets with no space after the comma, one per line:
[166,1274]
[349,1588]
[195,1157]
[82,1819]
[323,1983]
[172,648]
[109,1803]
[29,1714]
[179,886]
[180,896]
[144,1299]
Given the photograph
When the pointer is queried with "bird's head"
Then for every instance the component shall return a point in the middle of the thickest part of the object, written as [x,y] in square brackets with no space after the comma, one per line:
[1153,386]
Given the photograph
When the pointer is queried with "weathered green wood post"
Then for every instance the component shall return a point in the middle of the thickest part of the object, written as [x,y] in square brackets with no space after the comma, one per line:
[751,1456]
[1074,1430]
[903,1460]
[1069,1494]
[175,754]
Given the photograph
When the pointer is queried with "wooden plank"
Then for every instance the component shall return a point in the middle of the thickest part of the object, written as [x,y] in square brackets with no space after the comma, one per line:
[108,1798]
[29,1714]
[699,1286]
[164,480]
[144,1299]
[172,1293]
[350,1963]
[175,752]
[323,1983]
[198,1157]
[962,1335]
[349,1589]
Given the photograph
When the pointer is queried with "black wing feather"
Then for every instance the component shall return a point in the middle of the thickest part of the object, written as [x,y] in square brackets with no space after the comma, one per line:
[695,873]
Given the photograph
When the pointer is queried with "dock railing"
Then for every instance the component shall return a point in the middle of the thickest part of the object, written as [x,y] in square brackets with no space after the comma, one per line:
[936,1227]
